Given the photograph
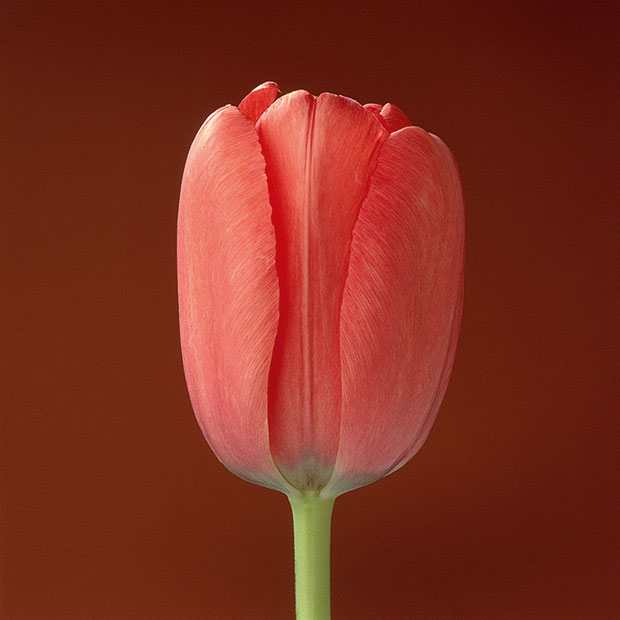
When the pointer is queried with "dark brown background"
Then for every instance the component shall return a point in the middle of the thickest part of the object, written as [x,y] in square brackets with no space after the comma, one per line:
[113,507]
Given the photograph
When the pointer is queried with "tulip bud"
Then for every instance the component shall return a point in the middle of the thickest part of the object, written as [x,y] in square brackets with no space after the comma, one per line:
[320,263]
[320,268]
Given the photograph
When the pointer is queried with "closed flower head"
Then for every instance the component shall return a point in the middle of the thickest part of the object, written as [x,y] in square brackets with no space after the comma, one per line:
[320,267]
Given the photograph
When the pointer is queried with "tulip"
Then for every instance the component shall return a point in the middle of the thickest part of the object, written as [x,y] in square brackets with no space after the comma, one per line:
[320,270]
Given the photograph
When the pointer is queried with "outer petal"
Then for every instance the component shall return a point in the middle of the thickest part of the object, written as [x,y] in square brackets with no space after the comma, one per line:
[401,307]
[319,154]
[228,292]
[258,100]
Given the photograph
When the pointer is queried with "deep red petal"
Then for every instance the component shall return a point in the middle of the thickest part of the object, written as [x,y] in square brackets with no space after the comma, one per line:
[319,155]
[228,292]
[258,100]
[401,307]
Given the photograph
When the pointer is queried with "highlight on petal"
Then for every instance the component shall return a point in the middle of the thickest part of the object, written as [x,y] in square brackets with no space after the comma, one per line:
[394,117]
[258,100]
[228,292]
[401,307]
[319,155]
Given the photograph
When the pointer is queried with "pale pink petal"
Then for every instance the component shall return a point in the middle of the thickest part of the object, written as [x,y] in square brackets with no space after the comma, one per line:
[319,155]
[401,307]
[228,292]
[258,100]
[394,117]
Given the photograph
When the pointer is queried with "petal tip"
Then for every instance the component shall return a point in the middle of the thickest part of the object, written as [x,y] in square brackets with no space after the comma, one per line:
[258,100]
[394,117]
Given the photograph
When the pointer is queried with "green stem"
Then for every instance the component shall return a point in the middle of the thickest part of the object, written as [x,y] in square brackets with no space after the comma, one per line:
[312,524]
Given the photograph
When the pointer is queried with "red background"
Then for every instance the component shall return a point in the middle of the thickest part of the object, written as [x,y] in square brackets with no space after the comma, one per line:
[113,507]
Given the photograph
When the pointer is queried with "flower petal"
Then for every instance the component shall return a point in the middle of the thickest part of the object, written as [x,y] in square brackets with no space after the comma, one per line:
[258,100]
[319,155]
[394,117]
[373,107]
[375,110]
[401,307]
[228,292]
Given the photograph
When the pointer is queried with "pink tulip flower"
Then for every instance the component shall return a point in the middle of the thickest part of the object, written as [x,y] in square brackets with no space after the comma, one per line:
[320,268]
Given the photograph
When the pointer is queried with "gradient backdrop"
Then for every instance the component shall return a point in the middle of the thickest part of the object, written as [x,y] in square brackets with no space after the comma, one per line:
[114,508]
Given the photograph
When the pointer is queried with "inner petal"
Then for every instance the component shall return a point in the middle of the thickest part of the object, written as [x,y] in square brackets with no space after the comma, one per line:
[258,100]
[319,155]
